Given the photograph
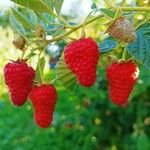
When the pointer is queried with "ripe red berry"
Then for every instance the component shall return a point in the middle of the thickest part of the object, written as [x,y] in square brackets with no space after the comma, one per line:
[18,77]
[43,98]
[82,56]
[122,77]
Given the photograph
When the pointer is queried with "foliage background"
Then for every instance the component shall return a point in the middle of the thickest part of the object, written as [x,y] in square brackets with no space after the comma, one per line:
[84,118]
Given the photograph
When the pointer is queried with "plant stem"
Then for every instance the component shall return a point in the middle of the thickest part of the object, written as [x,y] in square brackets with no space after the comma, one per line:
[134,8]
[74,29]
[124,54]
[143,22]
[94,19]
[22,55]
[39,66]
[55,29]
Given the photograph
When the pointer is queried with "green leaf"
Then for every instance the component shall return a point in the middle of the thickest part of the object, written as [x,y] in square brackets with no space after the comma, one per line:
[58,4]
[45,18]
[140,49]
[64,74]
[33,17]
[39,70]
[16,26]
[108,12]
[22,19]
[37,5]
[93,6]
[108,44]
[50,3]
[143,142]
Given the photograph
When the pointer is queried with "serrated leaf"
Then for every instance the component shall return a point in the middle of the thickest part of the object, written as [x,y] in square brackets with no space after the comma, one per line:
[43,19]
[108,12]
[48,17]
[22,19]
[64,74]
[16,26]
[33,17]
[37,5]
[40,69]
[140,49]
[31,55]
[50,3]
[58,4]
[108,44]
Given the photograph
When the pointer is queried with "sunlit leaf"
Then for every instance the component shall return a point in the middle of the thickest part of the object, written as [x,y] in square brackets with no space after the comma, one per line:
[108,44]
[22,18]
[108,12]
[36,5]
[33,17]
[64,74]
[16,26]
[39,70]
[140,49]
[58,4]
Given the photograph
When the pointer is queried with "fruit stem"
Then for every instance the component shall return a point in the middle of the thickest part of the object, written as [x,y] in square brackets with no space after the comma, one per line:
[22,55]
[39,66]
[124,54]
[52,81]
[83,34]
[33,50]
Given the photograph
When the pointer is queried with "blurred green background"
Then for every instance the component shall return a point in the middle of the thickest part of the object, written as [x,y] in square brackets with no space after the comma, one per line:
[84,119]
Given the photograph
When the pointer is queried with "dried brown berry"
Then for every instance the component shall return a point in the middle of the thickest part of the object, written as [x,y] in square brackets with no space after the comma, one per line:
[40,31]
[19,42]
[122,29]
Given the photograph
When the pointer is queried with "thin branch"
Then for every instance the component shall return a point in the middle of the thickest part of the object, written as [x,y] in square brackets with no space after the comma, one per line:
[74,29]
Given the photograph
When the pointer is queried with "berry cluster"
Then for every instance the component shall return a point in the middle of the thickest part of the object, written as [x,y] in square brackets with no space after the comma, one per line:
[19,78]
[81,58]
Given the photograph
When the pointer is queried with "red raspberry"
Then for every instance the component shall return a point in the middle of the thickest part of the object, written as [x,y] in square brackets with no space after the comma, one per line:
[18,77]
[43,99]
[122,77]
[82,56]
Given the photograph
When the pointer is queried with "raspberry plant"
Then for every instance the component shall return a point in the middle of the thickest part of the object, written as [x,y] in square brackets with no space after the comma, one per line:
[38,20]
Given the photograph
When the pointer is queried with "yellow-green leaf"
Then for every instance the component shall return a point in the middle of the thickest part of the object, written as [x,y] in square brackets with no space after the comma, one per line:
[65,75]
